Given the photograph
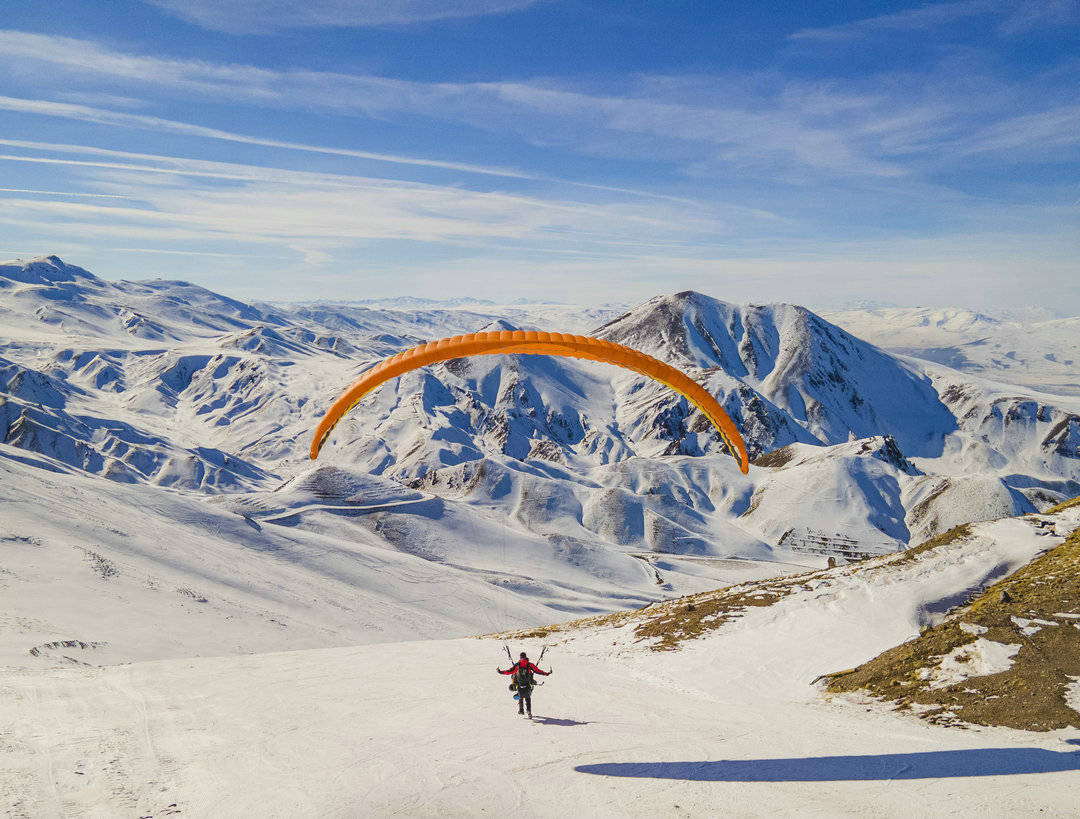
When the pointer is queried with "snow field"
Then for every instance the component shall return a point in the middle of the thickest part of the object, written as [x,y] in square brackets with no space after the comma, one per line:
[429,729]
[128,573]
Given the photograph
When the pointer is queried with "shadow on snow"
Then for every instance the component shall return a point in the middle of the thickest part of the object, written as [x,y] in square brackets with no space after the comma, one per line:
[557,721]
[923,765]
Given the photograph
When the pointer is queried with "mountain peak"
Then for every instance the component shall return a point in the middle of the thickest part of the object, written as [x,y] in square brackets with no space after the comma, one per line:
[830,382]
[498,326]
[44,270]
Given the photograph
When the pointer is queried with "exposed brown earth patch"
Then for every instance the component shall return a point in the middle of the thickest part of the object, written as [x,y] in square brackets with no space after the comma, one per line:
[776,458]
[936,542]
[1029,608]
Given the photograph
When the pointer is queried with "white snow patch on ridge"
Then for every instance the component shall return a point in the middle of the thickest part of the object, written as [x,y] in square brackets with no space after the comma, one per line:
[978,659]
[1072,694]
[1029,626]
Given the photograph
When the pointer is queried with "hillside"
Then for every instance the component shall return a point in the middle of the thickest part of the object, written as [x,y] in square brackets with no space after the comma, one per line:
[534,487]
[810,380]
[1040,354]
[986,618]
[1011,657]
[675,708]
[199,620]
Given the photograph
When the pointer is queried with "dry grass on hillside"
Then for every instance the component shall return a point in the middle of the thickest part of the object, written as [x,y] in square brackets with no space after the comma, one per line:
[1030,695]
[937,542]
[666,624]
[1061,507]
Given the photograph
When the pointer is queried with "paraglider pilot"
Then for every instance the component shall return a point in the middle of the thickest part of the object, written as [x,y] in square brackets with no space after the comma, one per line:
[522,681]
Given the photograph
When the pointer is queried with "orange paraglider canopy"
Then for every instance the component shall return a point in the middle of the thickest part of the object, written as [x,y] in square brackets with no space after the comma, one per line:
[533,343]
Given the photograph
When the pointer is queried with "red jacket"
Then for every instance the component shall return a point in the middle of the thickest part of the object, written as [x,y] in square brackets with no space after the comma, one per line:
[523,664]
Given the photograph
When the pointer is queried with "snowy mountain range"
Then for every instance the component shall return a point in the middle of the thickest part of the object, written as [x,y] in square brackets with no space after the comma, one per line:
[476,494]
[1042,354]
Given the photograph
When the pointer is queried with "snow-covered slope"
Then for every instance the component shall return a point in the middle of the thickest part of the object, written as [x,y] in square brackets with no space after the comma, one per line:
[99,572]
[561,485]
[426,728]
[1008,656]
[157,508]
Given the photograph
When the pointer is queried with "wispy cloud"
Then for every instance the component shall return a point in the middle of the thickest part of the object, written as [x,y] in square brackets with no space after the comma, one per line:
[186,198]
[608,181]
[922,18]
[1022,135]
[1047,14]
[819,275]
[104,116]
[261,16]
[1014,17]
[777,128]
[157,251]
[122,119]
[754,132]
[66,193]
[767,133]
[182,166]
[83,63]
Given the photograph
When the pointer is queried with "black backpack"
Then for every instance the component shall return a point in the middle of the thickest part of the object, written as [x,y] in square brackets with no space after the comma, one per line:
[523,678]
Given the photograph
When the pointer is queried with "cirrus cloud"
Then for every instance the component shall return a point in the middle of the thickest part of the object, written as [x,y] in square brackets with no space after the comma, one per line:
[265,16]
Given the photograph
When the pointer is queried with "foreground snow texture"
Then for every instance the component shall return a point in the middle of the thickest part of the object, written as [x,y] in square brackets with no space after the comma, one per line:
[729,724]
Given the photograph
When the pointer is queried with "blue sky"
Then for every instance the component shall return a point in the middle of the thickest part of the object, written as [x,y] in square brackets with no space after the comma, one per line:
[824,153]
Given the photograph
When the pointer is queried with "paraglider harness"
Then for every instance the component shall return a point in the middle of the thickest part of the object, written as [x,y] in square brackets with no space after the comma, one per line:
[522,679]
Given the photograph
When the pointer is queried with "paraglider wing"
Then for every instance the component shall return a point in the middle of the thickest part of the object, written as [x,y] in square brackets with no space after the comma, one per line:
[534,343]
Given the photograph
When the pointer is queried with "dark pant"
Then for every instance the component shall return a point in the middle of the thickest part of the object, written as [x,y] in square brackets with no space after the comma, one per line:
[525,700]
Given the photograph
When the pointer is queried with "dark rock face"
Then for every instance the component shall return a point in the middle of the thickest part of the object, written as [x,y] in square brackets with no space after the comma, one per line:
[1064,437]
